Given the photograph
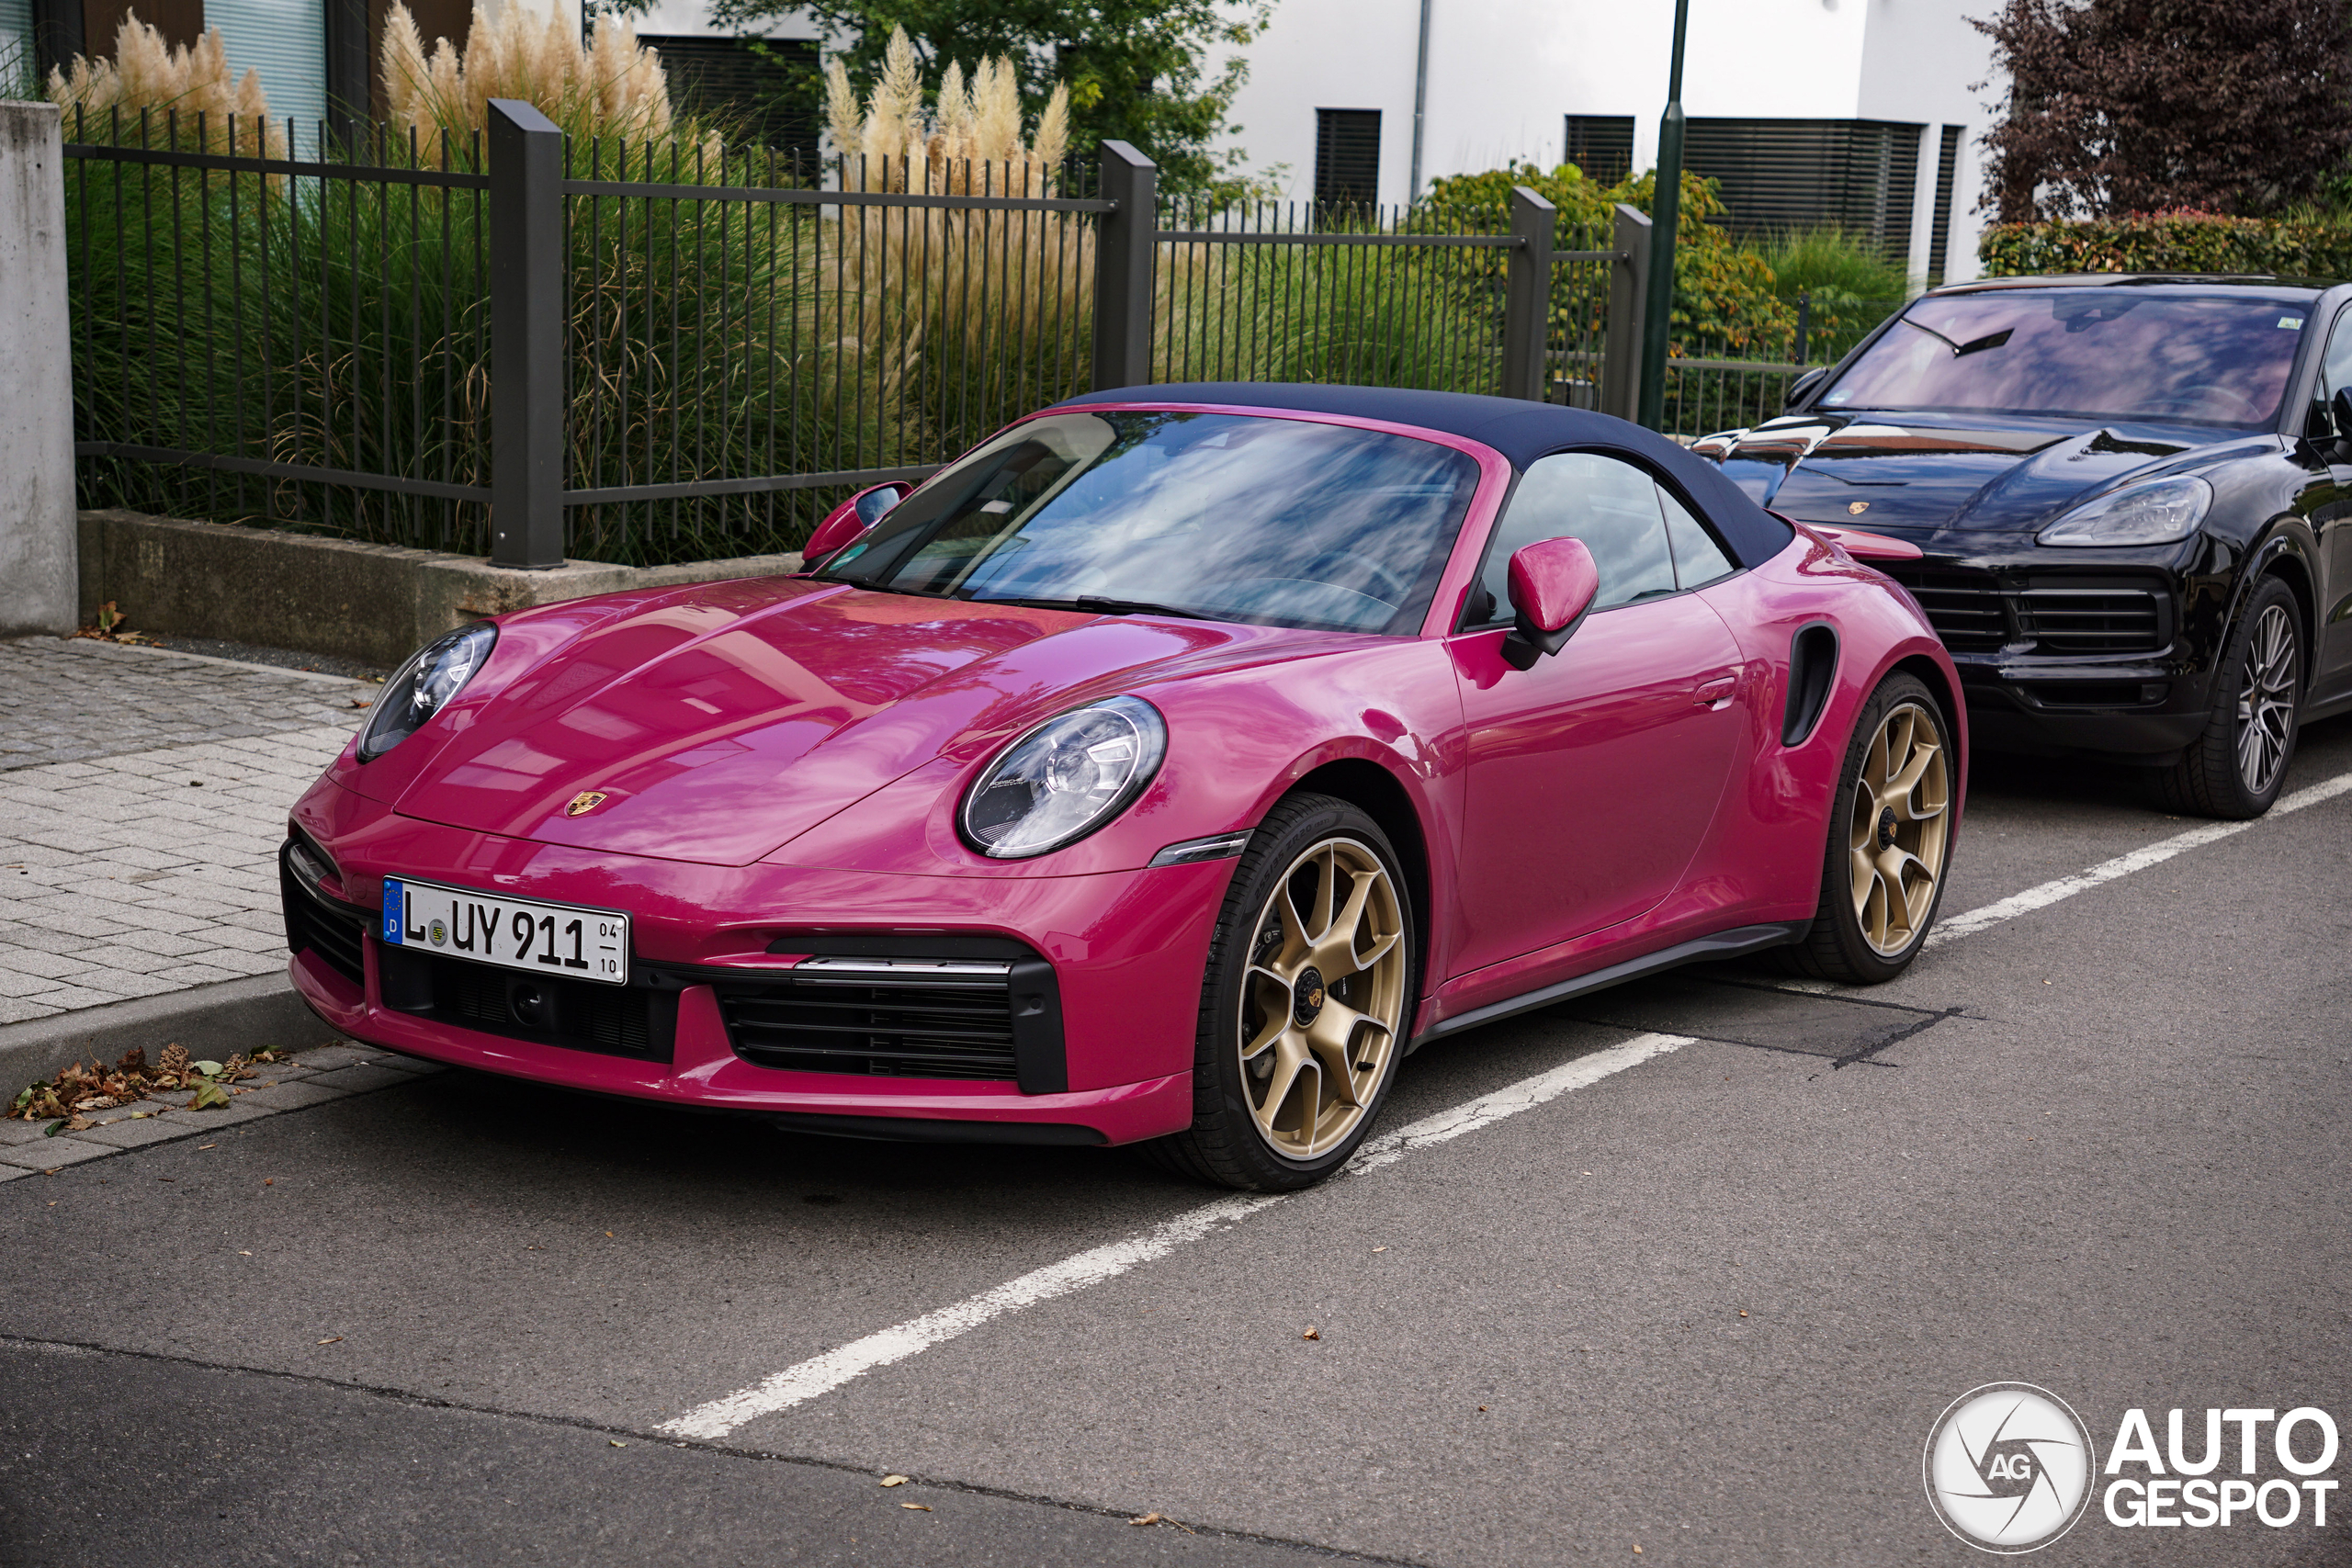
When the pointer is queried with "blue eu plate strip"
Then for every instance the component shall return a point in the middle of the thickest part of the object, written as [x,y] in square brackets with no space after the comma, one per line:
[394,917]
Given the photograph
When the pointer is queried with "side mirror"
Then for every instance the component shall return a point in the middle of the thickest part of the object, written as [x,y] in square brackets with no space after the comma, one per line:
[1801,388]
[1551,585]
[844,523]
[2340,406]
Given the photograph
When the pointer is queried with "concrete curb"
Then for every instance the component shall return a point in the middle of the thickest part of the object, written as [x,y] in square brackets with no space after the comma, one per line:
[216,1022]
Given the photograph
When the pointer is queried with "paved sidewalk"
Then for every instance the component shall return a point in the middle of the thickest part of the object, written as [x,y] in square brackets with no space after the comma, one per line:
[142,798]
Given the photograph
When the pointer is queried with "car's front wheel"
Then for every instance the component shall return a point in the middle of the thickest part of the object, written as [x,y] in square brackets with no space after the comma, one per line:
[2235,769]
[1890,838]
[1304,1010]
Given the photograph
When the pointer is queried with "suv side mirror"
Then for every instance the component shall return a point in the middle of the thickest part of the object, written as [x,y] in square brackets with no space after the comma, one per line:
[1800,388]
[1551,584]
[844,523]
[2340,406]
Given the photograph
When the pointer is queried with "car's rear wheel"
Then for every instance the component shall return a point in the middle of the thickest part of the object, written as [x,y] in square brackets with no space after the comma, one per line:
[2235,768]
[1890,839]
[1308,993]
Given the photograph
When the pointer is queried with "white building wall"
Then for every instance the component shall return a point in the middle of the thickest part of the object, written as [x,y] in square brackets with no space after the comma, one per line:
[1504,74]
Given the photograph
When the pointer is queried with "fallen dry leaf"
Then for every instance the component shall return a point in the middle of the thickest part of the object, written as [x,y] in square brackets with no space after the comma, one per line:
[1743,1315]
[272,1181]
[201,1147]
[1380,1249]
[242,1253]
[616,1442]
[1311,1333]
[1151,1519]
[333,1339]
[894,1481]
[918,1508]
[1638,1549]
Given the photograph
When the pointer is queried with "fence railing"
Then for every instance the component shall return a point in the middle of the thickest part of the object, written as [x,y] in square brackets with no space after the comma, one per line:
[536,349]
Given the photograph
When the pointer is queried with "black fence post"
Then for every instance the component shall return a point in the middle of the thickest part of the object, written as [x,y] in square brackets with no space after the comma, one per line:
[1125,249]
[527,339]
[1621,372]
[1527,306]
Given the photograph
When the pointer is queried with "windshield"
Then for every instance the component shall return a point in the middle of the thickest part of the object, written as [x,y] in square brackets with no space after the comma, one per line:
[2102,353]
[1281,522]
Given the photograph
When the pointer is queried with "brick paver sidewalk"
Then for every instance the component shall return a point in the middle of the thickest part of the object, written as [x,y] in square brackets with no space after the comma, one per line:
[142,798]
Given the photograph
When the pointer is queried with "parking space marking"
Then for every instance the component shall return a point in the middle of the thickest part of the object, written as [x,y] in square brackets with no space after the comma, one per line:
[822,1374]
[2050,893]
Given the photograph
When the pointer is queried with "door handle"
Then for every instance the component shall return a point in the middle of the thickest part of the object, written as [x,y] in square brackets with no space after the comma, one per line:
[1716,691]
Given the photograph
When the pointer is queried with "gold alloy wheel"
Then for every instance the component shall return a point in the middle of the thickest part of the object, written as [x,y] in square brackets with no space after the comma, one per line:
[1895,840]
[1324,997]
[2266,701]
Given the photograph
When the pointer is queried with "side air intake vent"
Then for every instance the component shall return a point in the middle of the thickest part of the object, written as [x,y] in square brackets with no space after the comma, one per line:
[1813,665]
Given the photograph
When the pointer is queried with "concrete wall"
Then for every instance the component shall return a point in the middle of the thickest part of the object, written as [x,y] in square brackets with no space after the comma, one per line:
[37,530]
[373,603]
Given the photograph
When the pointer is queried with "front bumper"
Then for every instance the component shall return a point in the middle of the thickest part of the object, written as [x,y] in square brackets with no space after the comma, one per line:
[887,1006]
[2056,660]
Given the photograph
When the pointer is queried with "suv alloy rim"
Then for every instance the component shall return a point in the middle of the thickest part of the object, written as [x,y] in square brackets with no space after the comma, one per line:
[2266,701]
[1323,999]
[1896,835]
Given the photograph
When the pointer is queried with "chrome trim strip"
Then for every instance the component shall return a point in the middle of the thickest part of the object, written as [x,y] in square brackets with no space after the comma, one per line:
[855,970]
[1192,852]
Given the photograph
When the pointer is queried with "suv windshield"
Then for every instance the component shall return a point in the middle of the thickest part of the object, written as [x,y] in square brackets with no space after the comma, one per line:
[1281,522]
[2102,353]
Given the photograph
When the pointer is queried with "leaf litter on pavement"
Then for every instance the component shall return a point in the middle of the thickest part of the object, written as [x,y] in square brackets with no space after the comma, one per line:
[69,1100]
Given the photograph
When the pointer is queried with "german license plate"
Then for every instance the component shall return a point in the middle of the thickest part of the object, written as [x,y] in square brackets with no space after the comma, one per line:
[512,933]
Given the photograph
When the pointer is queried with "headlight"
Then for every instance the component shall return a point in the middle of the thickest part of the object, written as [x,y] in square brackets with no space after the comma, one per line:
[1064,779]
[2158,513]
[423,686]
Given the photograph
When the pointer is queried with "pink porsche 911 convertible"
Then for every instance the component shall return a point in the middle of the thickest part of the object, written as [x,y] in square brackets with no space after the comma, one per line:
[1167,769]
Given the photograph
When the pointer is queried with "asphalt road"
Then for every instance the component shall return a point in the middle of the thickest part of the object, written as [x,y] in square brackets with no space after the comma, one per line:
[1709,1305]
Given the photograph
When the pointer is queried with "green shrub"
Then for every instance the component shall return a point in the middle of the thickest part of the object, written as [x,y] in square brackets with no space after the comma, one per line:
[2170,241]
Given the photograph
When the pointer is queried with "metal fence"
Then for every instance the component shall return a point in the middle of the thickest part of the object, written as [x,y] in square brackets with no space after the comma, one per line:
[531,348]
[1713,384]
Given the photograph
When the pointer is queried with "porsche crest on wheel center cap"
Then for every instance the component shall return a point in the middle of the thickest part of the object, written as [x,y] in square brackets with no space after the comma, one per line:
[1307,997]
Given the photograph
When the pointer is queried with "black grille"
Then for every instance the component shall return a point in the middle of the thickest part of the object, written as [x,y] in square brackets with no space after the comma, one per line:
[1974,611]
[1965,607]
[315,923]
[637,1021]
[941,1026]
[2093,620]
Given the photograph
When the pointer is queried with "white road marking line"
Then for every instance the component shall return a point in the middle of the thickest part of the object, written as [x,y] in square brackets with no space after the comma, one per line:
[2050,893]
[822,1374]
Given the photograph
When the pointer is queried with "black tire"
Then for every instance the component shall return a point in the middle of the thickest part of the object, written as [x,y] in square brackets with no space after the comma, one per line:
[2256,710]
[1837,946]
[1226,1144]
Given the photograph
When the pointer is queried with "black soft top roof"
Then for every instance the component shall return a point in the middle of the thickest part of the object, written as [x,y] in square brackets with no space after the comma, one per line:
[1520,430]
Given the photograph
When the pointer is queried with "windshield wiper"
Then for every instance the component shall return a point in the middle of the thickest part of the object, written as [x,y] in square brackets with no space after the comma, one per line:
[1095,605]
[1973,346]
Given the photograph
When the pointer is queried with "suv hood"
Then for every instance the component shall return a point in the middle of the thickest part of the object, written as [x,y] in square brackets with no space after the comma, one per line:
[1939,473]
[724,720]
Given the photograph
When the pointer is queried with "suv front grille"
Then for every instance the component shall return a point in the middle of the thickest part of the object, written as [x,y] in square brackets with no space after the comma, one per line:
[1980,612]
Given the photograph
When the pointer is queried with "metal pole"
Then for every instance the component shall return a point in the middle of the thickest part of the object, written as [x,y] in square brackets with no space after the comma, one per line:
[1666,216]
[527,371]
[1528,299]
[1124,254]
[1420,97]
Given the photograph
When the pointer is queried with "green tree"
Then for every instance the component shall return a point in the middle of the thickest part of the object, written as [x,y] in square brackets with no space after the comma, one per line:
[1137,70]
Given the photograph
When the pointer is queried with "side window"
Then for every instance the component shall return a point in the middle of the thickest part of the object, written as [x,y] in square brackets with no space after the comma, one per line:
[1610,504]
[1698,559]
[2335,374]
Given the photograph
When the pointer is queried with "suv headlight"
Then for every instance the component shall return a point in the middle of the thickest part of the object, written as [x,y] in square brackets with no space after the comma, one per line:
[2160,512]
[423,686]
[1064,779]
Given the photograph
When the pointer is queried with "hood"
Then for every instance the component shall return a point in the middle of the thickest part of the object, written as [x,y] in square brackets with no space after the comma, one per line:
[725,720]
[1938,474]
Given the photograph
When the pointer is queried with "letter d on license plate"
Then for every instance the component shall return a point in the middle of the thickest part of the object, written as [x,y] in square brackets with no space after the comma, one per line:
[512,933]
